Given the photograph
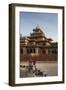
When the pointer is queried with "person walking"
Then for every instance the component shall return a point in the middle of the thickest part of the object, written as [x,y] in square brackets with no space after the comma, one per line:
[34,65]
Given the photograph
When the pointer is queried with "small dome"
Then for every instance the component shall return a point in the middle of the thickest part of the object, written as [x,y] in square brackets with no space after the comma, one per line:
[37,27]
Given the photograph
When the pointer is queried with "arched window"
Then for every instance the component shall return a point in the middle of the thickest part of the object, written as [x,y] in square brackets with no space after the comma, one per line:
[34,50]
[30,50]
[54,51]
[43,51]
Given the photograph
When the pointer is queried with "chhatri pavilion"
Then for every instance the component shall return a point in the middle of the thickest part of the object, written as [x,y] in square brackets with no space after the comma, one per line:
[38,47]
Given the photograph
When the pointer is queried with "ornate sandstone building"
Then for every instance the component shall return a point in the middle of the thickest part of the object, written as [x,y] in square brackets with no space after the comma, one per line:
[38,47]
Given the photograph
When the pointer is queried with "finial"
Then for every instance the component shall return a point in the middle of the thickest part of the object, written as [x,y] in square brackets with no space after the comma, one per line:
[37,27]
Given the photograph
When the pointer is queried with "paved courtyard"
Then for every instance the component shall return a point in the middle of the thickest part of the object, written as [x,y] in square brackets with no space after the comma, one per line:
[50,67]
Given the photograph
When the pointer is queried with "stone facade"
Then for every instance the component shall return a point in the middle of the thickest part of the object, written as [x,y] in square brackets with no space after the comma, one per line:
[38,47]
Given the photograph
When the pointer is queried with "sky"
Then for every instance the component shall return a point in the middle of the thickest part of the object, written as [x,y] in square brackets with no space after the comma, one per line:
[48,22]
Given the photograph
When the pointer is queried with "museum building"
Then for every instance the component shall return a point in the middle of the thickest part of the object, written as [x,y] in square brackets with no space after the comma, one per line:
[38,47]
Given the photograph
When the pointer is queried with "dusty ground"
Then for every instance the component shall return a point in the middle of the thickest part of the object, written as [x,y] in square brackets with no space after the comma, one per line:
[50,67]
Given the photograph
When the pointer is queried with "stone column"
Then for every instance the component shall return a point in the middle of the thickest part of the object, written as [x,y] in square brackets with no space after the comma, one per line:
[37,50]
[24,50]
[46,51]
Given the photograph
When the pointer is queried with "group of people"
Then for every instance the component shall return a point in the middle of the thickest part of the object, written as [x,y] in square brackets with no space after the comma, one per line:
[32,68]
